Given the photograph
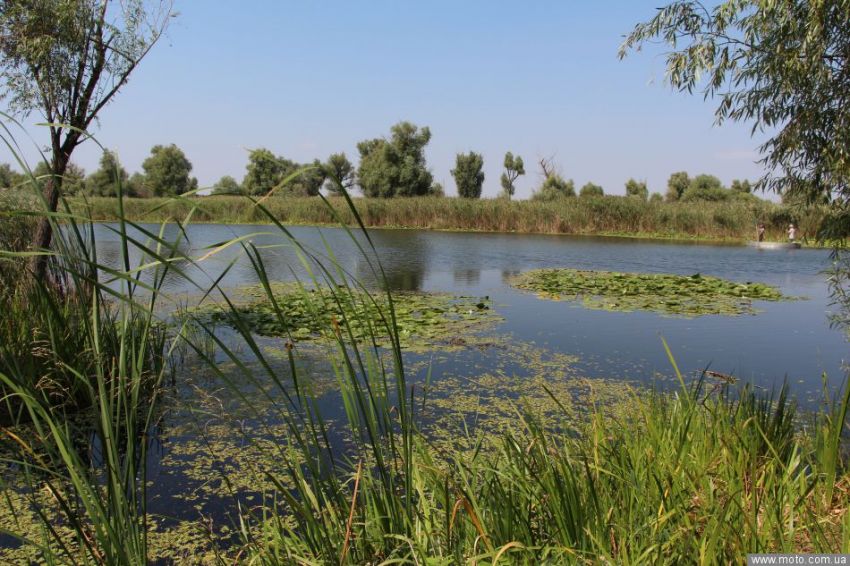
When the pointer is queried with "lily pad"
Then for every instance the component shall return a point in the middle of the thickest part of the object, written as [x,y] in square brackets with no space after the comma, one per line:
[423,320]
[679,295]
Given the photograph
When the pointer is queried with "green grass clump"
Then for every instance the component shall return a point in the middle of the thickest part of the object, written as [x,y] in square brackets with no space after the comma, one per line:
[680,295]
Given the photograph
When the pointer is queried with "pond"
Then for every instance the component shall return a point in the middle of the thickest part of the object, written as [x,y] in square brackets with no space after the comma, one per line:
[207,460]
[789,340]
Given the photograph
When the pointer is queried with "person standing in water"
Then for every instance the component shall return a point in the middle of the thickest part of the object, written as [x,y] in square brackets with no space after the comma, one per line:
[792,233]
[760,231]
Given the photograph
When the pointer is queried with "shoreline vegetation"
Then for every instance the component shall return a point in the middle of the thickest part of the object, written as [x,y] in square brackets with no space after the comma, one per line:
[594,216]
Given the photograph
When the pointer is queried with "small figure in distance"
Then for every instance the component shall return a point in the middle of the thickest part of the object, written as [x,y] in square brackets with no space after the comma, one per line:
[760,231]
[792,233]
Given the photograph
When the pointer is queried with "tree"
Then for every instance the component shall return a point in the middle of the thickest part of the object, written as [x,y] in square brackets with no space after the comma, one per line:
[514,167]
[66,59]
[264,171]
[167,171]
[227,185]
[656,198]
[340,174]
[741,187]
[705,187]
[676,185]
[783,67]
[136,186]
[468,174]
[303,180]
[555,187]
[105,181]
[73,181]
[591,190]
[395,167]
[9,177]
[637,189]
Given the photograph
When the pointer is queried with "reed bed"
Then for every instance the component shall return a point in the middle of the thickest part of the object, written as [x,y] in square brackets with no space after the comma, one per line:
[609,215]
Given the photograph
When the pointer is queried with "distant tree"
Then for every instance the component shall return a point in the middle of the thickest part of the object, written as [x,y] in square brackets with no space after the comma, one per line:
[637,189]
[73,181]
[514,167]
[437,190]
[167,171]
[555,187]
[136,186]
[66,59]
[468,174]
[340,174]
[395,167]
[265,171]
[706,187]
[591,190]
[104,182]
[9,177]
[656,198]
[677,184]
[305,180]
[741,186]
[227,185]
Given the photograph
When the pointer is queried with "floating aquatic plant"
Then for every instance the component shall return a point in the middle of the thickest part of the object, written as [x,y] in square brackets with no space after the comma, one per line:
[682,295]
[423,319]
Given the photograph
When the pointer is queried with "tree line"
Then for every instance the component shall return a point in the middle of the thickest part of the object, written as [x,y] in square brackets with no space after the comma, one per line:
[389,167]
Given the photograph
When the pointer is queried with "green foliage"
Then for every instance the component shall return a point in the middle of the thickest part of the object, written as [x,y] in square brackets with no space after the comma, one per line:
[341,174]
[783,67]
[437,190]
[136,186]
[9,177]
[167,171]
[656,198]
[264,171]
[469,174]
[267,172]
[66,59]
[741,186]
[395,167]
[637,189]
[227,185]
[514,167]
[554,187]
[677,184]
[307,180]
[681,295]
[591,190]
[105,181]
[73,179]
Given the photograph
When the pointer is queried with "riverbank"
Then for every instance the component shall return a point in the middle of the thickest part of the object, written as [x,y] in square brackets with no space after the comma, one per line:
[605,216]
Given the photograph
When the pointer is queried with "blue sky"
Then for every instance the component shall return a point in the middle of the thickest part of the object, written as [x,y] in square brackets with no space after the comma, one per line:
[309,78]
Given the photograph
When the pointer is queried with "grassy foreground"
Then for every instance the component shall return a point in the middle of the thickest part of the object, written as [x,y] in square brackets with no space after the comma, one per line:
[602,216]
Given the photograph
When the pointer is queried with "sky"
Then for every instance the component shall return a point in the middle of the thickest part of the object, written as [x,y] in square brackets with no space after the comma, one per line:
[305,79]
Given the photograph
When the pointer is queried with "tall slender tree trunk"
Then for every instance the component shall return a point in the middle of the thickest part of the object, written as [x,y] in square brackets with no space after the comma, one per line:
[44,230]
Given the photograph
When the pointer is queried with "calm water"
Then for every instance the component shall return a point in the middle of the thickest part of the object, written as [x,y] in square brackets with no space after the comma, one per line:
[790,340]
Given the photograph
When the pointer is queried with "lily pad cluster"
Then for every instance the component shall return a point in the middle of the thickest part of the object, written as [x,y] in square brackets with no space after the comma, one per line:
[681,295]
[423,320]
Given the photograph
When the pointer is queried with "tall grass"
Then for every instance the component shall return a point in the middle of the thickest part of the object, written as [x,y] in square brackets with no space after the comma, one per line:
[606,215]
[82,358]
[696,476]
